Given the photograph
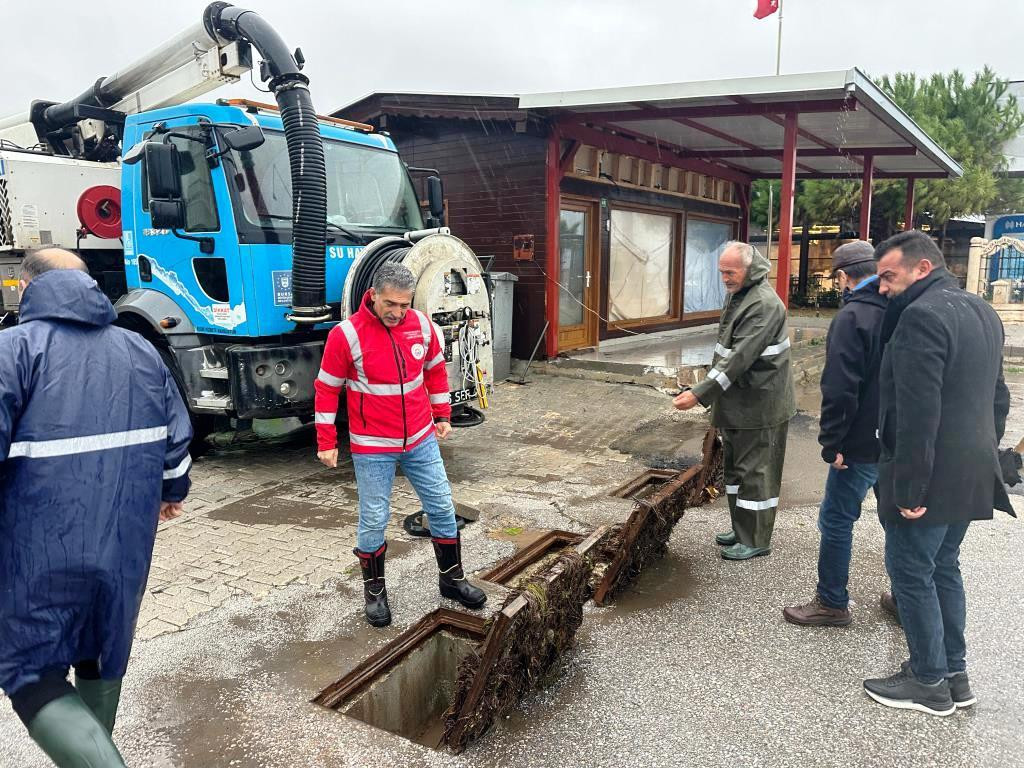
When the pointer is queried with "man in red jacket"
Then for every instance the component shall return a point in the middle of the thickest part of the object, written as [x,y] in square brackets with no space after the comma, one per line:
[391,358]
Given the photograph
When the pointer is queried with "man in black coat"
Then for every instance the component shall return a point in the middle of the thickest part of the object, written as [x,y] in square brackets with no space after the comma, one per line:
[849,425]
[943,411]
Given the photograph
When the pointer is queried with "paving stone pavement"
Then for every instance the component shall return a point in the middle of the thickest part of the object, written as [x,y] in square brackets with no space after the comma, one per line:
[266,515]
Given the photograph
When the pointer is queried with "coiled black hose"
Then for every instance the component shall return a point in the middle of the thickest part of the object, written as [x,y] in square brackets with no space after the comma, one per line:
[367,267]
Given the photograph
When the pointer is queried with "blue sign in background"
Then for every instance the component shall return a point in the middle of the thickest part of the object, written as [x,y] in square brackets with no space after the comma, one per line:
[282,287]
[1008,225]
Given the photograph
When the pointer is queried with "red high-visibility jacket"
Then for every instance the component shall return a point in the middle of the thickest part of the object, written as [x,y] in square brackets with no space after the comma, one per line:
[396,379]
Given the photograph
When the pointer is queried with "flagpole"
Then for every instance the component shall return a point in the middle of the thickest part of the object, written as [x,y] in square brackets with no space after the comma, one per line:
[778,47]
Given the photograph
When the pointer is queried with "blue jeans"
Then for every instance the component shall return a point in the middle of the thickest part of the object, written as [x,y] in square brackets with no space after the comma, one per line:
[845,490]
[375,476]
[924,564]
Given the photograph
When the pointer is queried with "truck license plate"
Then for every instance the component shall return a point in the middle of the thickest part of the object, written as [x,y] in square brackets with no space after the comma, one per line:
[463,396]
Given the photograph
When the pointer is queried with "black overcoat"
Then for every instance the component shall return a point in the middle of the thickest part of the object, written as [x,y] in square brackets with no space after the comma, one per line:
[943,405]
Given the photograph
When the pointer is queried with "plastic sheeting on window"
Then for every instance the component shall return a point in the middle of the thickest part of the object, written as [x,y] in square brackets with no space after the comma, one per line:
[702,287]
[640,269]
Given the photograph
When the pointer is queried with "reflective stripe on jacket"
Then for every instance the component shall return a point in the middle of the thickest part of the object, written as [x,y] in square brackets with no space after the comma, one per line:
[750,382]
[396,379]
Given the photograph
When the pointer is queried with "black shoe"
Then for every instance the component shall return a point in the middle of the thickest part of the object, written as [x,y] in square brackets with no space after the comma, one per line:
[451,579]
[904,691]
[960,690]
[378,612]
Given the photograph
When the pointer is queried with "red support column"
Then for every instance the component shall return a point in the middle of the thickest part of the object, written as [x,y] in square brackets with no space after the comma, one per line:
[552,184]
[786,203]
[865,197]
[908,212]
[743,195]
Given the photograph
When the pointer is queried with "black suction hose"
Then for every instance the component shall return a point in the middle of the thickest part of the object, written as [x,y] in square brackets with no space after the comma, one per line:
[305,154]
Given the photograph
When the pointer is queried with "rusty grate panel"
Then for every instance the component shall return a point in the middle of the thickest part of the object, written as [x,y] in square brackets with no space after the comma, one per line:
[644,536]
[523,642]
[512,566]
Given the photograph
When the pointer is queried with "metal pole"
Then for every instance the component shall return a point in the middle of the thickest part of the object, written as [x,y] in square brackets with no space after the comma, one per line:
[778,47]
[544,330]
[768,255]
[786,207]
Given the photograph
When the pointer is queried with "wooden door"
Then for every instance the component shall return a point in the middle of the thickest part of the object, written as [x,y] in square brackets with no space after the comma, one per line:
[578,240]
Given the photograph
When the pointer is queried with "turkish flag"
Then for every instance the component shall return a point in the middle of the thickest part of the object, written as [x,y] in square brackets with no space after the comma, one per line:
[766,8]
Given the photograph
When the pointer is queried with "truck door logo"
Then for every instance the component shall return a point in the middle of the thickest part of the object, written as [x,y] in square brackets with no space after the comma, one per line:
[282,280]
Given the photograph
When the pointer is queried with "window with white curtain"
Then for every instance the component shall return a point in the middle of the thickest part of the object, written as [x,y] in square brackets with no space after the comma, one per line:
[640,265]
[702,287]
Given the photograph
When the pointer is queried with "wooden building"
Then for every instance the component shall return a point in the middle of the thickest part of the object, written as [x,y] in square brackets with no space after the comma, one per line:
[611,207]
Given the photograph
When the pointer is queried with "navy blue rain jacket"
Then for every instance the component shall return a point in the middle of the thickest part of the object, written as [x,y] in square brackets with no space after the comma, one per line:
[93,434]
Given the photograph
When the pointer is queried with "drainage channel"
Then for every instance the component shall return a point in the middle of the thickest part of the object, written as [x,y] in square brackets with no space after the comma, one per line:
[447,679]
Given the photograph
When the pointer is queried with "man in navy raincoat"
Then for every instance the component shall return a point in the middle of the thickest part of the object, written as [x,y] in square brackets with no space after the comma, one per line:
[93,451]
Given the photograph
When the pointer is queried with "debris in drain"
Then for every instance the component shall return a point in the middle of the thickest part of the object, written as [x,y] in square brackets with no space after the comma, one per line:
[644,537]
[524,639]
[448,678]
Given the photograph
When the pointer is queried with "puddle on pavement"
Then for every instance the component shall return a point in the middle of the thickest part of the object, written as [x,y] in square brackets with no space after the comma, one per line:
[285,505]
[661,583]
[196,714]
[664,442]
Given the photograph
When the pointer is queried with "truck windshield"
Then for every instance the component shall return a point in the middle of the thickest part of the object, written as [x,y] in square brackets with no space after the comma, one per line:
[367,188]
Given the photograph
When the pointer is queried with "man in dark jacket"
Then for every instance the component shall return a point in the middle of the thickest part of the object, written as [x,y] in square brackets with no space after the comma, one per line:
[749,389]
[93,451]
[943,411]
[849,423]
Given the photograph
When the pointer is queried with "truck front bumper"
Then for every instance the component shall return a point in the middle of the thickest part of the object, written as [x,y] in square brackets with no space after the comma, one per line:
[273,382]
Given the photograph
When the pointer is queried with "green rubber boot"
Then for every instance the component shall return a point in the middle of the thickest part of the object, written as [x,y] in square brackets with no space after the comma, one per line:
[726,539]
[743,552]
[71,736]
[102,697]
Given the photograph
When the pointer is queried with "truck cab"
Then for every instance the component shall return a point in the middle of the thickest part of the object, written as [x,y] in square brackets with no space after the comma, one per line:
[216,294]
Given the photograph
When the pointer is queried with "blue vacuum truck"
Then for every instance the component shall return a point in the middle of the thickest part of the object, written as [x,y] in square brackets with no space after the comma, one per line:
[233,235]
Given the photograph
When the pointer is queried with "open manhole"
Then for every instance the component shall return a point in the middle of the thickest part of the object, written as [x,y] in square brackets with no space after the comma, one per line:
[408,685]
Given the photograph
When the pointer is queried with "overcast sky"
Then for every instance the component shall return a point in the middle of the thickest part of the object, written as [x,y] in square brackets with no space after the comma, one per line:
[522,46]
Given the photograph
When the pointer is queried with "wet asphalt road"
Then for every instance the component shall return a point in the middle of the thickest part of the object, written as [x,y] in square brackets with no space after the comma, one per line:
[693,666]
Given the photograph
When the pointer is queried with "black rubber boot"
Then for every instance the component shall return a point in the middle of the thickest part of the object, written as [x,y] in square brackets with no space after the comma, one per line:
[451,578]
[378,612]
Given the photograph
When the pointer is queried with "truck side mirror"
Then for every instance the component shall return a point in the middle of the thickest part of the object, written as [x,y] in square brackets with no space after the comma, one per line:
[244,139]
[167,214]
[163,169]
[435,198]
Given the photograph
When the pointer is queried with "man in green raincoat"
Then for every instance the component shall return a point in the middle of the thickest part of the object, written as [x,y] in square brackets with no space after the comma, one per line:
[749,389]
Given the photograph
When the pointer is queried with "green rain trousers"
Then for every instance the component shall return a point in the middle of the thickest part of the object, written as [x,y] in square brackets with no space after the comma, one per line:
[753,479]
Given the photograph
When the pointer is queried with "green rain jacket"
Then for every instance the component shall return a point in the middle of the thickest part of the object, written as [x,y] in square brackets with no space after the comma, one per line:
[750,383]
